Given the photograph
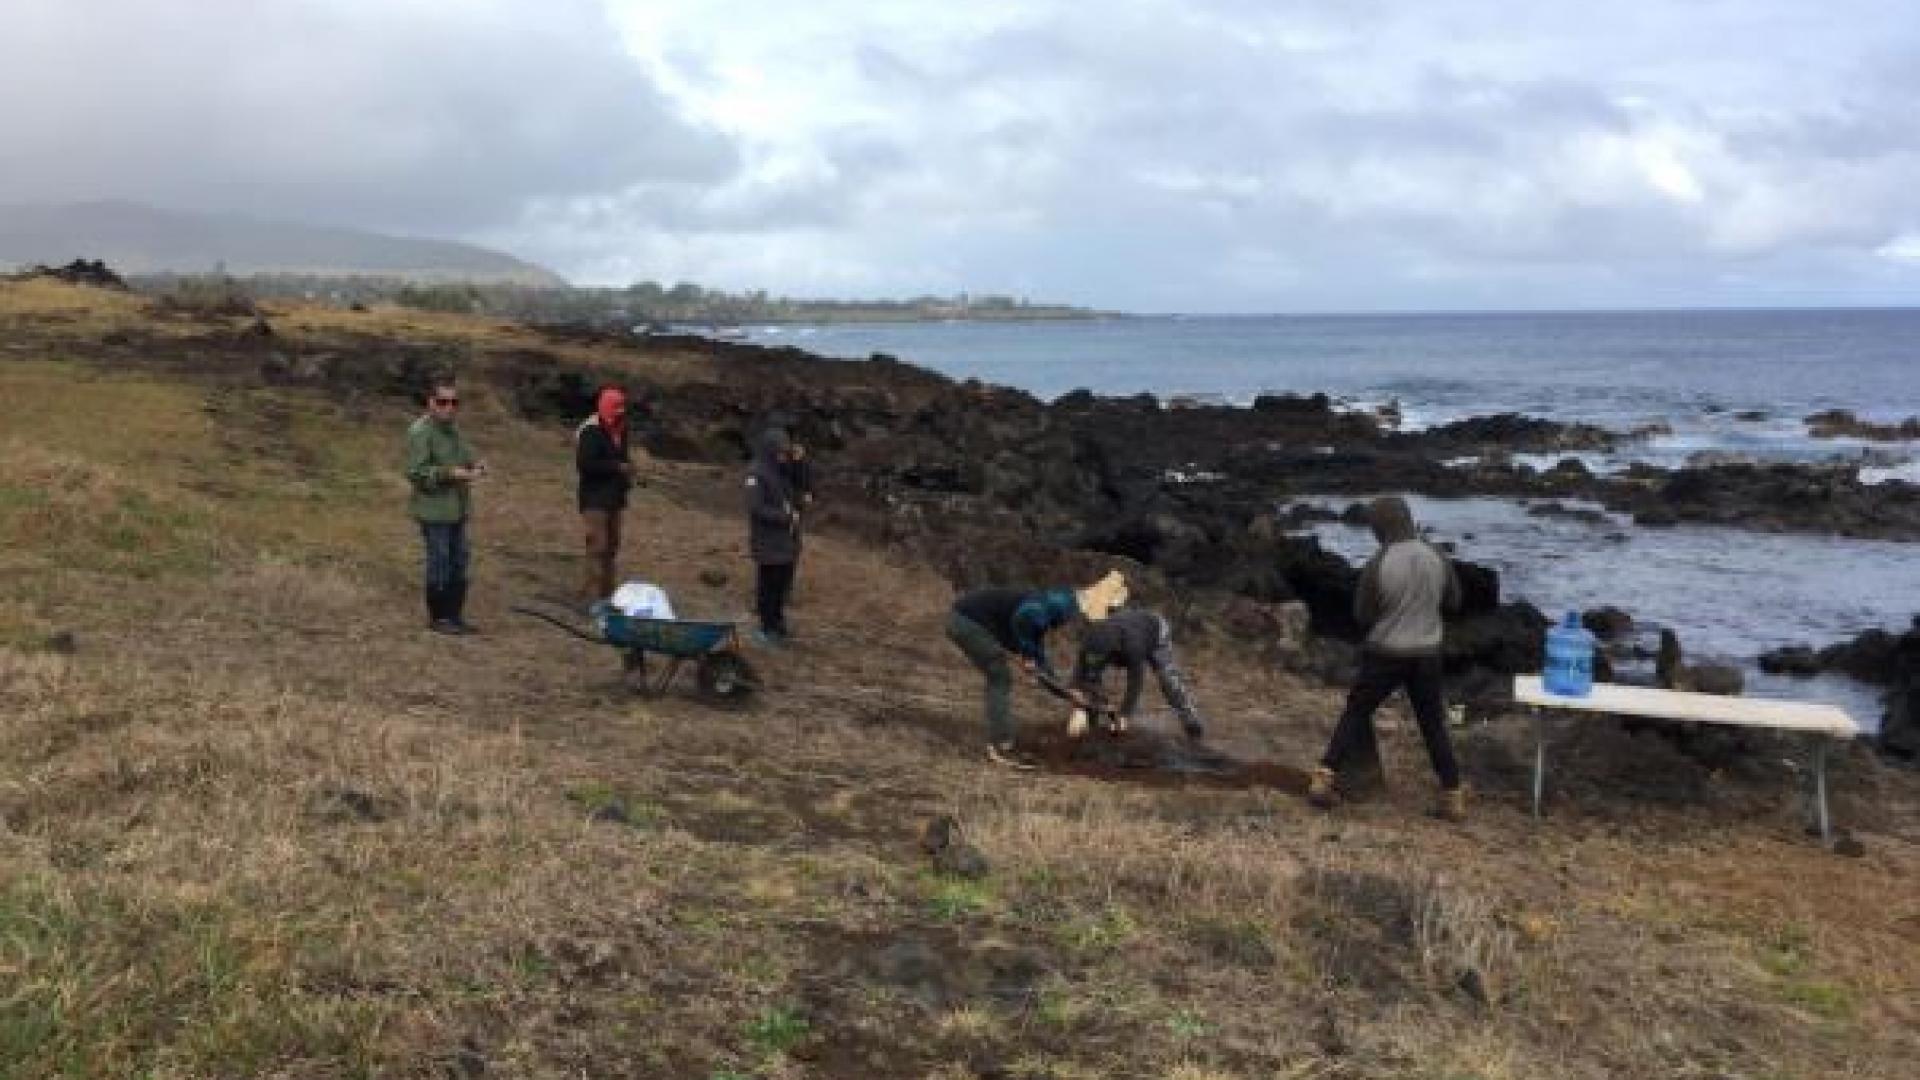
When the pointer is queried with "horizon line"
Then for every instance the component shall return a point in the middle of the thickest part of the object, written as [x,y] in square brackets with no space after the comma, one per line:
[1685,309]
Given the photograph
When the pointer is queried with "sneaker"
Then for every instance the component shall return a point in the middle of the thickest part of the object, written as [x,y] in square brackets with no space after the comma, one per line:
[1451,804]
[1077,724]
[1195,732]
[768,639]
[1321,791]
[445,626]
[1005,753]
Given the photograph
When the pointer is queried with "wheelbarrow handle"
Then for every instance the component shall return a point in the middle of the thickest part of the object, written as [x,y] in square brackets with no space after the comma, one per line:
[562,624]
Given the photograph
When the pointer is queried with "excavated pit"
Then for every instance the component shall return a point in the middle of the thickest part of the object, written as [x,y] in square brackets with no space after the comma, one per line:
[1151,758]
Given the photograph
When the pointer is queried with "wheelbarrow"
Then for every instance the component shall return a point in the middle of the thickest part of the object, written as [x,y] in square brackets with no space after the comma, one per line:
[721,672]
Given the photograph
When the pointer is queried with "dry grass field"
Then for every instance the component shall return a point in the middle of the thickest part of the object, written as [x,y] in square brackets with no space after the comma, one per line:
[256,822]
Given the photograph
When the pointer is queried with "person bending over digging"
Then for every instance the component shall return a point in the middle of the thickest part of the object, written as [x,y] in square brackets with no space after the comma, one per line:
[440,469]
[989,624]
[1402,592]
[1135,639]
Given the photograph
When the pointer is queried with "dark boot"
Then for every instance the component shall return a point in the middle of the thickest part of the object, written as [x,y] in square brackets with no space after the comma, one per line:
[437,618]
[457,606]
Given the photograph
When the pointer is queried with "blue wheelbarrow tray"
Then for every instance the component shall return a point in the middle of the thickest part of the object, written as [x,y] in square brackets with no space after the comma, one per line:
[679,638]
[721,670]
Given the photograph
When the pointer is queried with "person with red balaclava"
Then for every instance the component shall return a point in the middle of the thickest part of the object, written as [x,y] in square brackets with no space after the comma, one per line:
[605,464]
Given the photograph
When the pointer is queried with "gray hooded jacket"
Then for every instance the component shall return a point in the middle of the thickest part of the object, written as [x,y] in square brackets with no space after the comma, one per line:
[1405,586]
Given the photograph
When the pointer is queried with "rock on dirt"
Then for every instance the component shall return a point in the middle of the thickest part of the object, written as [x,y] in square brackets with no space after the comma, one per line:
[950,851]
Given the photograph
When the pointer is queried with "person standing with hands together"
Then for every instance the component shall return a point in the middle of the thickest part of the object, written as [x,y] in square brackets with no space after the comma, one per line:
[441,469]
[773,536]
[605,466]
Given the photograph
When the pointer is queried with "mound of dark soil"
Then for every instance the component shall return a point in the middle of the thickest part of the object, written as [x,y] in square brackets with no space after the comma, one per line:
[1148,757]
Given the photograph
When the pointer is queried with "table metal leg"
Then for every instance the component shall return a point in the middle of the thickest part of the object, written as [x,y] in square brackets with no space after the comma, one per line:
[1820,790]
[1539,760]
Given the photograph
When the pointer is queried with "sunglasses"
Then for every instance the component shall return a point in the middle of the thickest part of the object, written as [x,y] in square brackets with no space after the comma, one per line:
[446,401]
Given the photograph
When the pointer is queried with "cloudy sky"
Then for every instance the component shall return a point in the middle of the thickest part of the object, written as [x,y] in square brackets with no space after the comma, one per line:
[1159,155]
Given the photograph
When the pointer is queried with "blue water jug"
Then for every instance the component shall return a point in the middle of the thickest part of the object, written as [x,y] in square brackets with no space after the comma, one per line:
[1569,671]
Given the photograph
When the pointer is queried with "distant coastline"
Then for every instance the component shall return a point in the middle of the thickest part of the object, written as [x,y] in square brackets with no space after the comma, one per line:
[644,304]
[858,314]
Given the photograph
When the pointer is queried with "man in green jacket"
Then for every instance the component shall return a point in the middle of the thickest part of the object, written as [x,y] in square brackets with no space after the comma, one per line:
[441,468]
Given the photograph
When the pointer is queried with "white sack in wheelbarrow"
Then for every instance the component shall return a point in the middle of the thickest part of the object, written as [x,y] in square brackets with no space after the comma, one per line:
[639,600]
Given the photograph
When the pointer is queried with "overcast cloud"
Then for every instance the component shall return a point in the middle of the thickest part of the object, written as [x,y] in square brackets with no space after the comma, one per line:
[437,117]
[1143,154]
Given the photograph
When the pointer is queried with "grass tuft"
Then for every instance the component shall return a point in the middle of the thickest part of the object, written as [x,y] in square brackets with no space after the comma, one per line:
[954,899]
[778,1030]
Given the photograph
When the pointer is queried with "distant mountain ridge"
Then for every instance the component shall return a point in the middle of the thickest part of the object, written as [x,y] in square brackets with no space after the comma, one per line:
[137,239]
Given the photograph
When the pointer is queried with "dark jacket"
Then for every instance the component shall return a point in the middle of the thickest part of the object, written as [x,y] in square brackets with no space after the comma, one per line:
[773,519]
[1128,638]
[1020,618]
[1404,587]
[799,480]
[601,465]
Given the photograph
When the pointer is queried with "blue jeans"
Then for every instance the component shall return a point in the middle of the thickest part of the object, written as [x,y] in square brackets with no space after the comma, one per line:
[446,553]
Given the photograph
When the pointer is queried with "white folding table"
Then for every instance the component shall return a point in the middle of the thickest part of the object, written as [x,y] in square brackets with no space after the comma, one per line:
[1821,722]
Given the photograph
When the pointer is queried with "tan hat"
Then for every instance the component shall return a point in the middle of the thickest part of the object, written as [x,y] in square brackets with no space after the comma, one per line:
[1098,600]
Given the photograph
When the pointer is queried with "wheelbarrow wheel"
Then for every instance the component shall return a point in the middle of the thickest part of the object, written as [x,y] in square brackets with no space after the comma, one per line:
[725,679]
[633,672]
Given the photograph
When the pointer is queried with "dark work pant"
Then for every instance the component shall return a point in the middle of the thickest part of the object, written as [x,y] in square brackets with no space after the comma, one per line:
[984,650]
[1380,676]
[771,586]
[446,547]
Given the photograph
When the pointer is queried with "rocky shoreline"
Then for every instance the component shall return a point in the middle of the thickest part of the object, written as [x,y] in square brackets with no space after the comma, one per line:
[992,484]
[1192,495]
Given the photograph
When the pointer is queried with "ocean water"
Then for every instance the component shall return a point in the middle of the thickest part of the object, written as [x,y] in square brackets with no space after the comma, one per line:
[1732,382]
[1720,382]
